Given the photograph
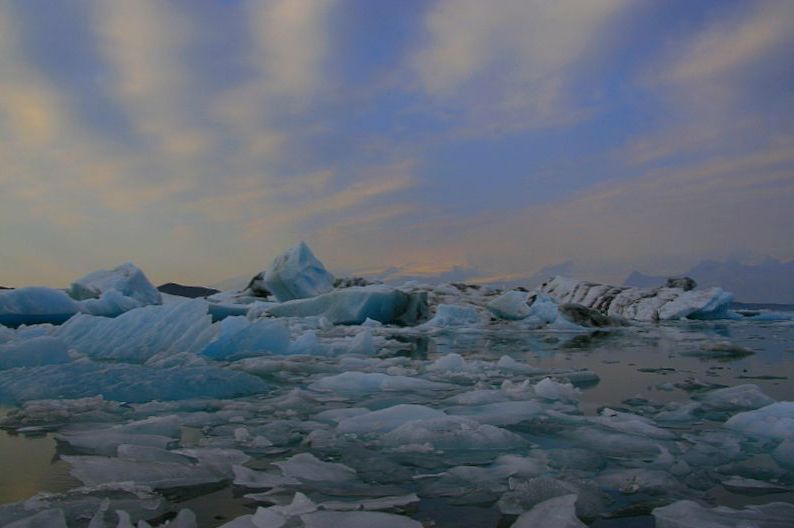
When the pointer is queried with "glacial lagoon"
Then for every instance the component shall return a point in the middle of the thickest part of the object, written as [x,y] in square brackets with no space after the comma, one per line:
[634,430]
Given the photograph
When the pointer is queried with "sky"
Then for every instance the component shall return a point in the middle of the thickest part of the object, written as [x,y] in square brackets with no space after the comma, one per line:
[489,140]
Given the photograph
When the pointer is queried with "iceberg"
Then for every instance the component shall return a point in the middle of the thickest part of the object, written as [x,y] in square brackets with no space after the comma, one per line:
[35,305]
[140,334]
[105,293]
[297,274]
[512,306]
[641,304]
[353,306]
[126,279]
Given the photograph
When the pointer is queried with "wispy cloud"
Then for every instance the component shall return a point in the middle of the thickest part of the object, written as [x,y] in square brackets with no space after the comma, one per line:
[510,66]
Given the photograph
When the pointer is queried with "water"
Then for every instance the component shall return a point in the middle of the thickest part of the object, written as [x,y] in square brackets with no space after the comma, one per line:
[639,368]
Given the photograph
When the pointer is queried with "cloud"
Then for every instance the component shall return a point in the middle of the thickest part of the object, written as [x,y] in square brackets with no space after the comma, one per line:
[723,87]
[664,219]
[731,42]
[511,67]
[145,44]
[291,44]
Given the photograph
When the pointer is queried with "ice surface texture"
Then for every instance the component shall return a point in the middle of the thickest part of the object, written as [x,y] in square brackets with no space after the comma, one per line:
[105,292]
[297,274]
[641,304]
[357,304]
[126,279]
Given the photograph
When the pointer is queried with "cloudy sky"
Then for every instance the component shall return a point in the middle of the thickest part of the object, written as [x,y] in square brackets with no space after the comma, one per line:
[201,138]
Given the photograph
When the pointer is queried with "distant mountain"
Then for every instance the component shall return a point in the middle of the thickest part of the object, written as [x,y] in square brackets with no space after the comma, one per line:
[770,281]
[181,290]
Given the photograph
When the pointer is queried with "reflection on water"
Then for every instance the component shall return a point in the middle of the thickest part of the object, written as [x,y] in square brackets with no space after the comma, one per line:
[28,464]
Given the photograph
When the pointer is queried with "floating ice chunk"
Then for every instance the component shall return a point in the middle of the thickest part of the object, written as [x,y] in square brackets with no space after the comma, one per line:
[543,310]
[127,279]
[139,334]
[365,519]
[579,459]
[6,334]
[131,383]
[33,353]
[510,305]
[96,470]
[307,344]
[687,513]
[34,305]
[501,413]
[362,344]
[448,363]
[617,445]
[451,433]
[748,486]
[220,461]
[720,349]
[250,478]
[357,304]
[641,304]
[784,453]
[337,415]
[640,480]
[44,519]
[455,315]
[107,441]
[385,420]
[379,504]
[49,412]
[297,274]
[549,389]
[152,454]
[110,304]
[240,338]
[526,494]
[737,398]
[631,424]
[773,421]
[306,466]
[508,363]
[557,512]
[367,382]
[82,503]
[169,425]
